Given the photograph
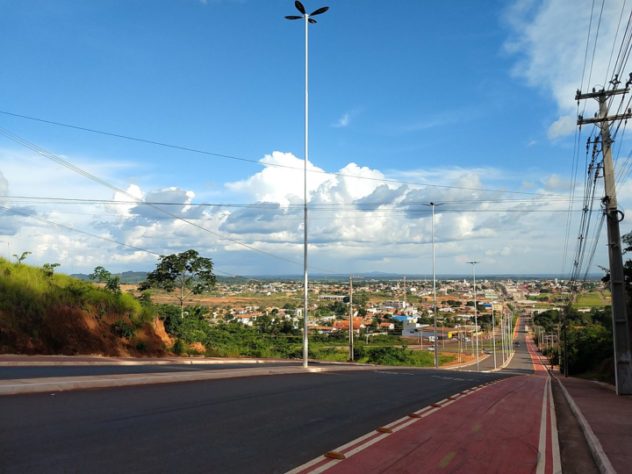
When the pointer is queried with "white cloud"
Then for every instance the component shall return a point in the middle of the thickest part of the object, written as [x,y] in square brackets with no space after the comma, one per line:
[549,40]
[563,126]
[343,121]
[281,180]
[360,219]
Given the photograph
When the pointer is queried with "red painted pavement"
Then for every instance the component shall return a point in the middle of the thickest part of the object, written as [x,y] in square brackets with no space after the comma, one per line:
[495,429]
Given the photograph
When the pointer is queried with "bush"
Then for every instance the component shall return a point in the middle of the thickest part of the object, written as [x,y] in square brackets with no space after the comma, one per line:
[123,329]
[179,347]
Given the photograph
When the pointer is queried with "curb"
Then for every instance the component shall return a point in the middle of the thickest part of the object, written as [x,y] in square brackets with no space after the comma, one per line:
[131,362]
[63,384]
[598,454]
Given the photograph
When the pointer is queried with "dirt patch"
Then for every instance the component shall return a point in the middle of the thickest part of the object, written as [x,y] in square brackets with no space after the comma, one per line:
[68,330]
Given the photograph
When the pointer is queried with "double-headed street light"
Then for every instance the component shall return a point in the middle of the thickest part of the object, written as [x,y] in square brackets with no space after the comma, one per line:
[308,19]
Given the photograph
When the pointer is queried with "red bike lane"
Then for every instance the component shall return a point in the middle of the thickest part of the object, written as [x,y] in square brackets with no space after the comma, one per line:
[506,426]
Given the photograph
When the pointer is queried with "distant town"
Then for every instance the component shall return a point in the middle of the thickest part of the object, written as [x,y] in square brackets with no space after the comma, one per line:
[395,307]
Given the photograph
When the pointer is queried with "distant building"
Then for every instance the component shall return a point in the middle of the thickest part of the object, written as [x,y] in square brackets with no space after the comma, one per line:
[331,297]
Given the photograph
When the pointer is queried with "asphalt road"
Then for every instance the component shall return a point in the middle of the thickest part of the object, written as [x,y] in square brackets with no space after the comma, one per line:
[255,424]
[30,372]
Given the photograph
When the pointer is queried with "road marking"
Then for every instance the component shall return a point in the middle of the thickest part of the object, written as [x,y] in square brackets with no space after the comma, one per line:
[542,440]
[391,372]
[323,463]
[557,464]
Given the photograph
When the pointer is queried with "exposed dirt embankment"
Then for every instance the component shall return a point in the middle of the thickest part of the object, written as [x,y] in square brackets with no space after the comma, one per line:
[69,331]
[46,313]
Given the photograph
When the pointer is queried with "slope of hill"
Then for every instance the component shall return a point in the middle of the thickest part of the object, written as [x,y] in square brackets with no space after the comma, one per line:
[44,313]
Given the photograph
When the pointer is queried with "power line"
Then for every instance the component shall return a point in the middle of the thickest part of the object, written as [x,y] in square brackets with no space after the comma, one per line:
[407,208]
[266,205]
[258,162]
[96,236]
[102,182]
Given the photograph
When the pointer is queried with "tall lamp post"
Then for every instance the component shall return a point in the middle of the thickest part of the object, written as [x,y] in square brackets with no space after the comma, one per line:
[473,263]
[434,287]
[308,19]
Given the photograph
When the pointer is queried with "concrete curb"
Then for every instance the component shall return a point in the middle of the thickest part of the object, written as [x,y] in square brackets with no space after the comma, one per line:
[131,362]
[61,384]
[598,454]
[469,364]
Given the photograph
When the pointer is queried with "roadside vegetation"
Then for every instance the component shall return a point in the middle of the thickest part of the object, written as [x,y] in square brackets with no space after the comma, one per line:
[194,335]
[43,312]
[588,347]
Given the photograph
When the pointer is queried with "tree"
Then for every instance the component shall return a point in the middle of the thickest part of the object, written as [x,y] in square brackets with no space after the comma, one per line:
[49,269]
[101,275]
[22,257]
[187,272]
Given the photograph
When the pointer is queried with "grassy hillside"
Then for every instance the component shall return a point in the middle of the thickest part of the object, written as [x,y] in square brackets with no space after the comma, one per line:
[44,313]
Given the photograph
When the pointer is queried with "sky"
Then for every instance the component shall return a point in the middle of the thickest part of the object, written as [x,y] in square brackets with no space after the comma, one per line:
[187,131]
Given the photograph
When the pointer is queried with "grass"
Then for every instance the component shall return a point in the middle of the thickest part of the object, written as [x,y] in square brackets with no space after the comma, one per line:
[45,312]
[594,299]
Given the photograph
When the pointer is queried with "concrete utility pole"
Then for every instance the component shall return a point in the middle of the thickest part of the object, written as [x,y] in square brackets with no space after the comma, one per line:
[351,318]
[621,324]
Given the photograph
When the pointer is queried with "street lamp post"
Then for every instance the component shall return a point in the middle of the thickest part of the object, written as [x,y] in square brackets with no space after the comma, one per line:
[434,286]
[494,336]
[473,263]
[308,19]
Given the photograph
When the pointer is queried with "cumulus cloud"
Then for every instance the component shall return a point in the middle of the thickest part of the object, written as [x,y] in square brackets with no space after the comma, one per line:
[280,181]
[360,219]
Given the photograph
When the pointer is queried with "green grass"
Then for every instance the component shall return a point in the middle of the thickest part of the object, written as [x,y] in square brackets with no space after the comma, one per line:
[594,299]
[41,307]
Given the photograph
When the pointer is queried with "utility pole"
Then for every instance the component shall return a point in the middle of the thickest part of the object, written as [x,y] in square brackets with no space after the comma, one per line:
[404,292]
[351,318]
[620,322]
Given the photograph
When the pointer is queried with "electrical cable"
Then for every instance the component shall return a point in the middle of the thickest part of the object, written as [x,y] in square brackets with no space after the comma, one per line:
[259,163]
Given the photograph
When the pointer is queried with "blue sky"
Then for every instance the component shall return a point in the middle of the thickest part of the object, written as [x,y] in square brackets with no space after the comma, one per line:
[464,94]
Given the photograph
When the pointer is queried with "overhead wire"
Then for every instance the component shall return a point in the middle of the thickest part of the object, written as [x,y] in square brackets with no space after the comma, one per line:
[96,236]
[614,42]
[266,164]
[592,61]
[96,179]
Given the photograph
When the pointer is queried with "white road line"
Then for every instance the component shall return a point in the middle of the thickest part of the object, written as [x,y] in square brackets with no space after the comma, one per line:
[542,444]
[557,464]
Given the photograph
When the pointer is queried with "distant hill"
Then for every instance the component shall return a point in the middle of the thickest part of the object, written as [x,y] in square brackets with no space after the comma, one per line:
[126,277]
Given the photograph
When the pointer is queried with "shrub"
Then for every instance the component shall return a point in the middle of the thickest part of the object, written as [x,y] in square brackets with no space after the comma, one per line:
[123,329]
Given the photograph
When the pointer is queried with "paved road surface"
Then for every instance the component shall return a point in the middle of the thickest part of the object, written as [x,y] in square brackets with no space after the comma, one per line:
[507,427]
[258,424]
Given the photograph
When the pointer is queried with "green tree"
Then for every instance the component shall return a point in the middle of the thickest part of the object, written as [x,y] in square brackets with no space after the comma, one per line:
[22,257]
[186,272]
[49,269]
[101,275]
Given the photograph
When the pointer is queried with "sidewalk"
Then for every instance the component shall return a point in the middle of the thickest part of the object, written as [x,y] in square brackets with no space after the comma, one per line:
[606,420]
